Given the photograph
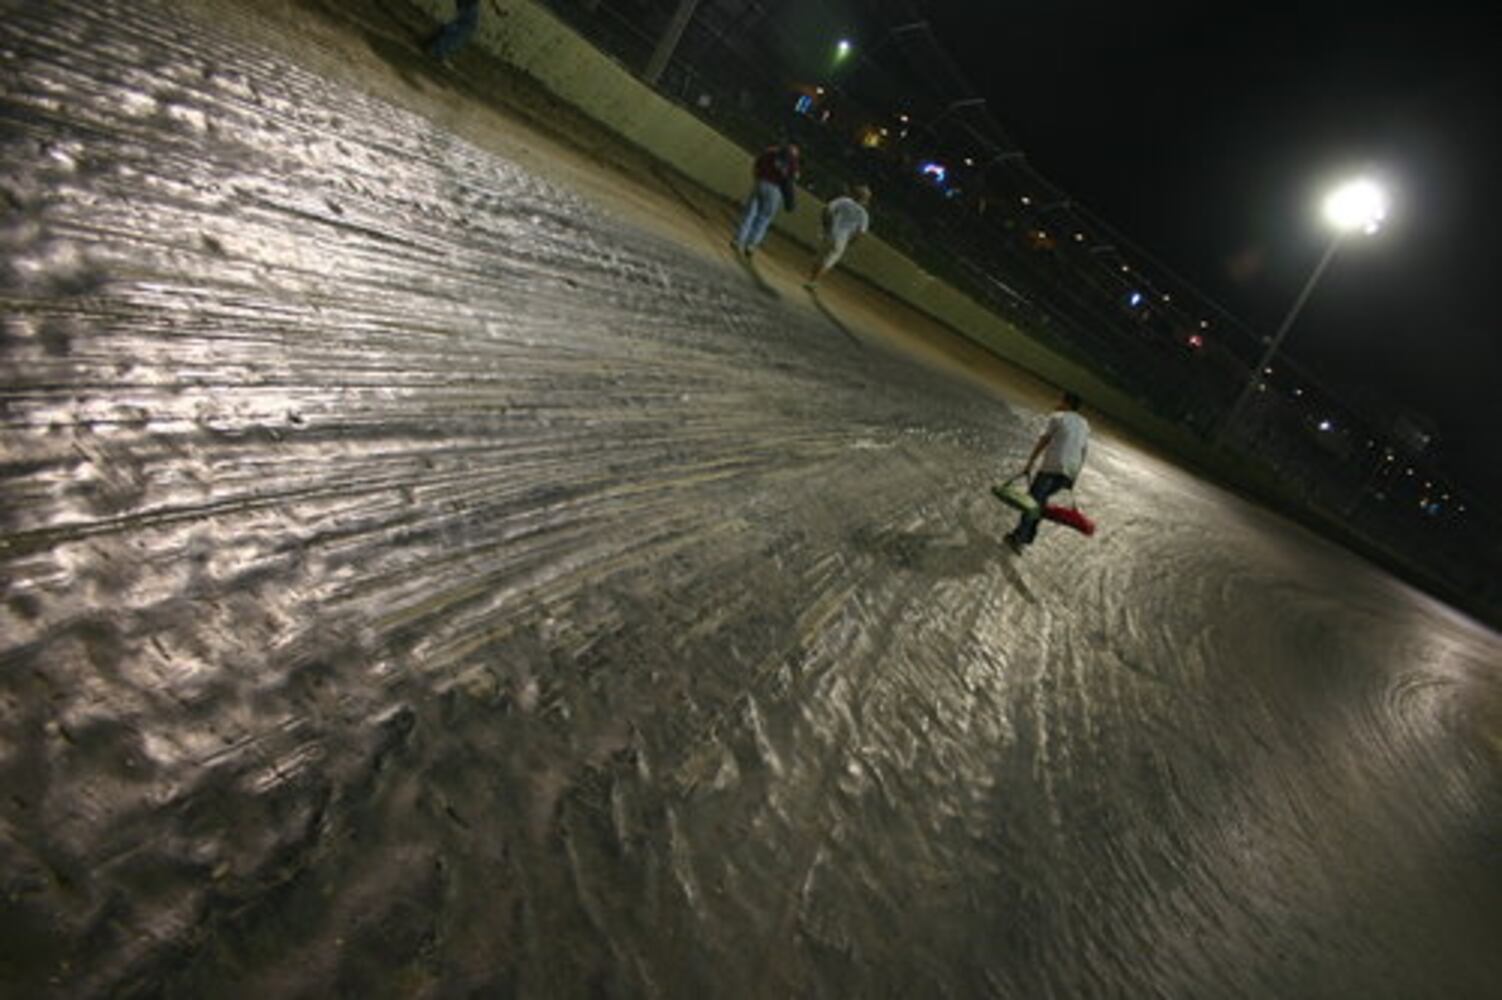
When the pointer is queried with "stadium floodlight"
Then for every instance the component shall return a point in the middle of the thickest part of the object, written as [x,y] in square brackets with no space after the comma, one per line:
[1358,205]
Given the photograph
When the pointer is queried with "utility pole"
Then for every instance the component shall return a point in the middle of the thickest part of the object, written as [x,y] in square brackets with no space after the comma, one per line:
[1272,348]
[1357,205]
[668,43]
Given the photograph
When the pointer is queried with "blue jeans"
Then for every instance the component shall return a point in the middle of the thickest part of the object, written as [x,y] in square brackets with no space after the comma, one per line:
[761,207]
[1043,486]
[452,36]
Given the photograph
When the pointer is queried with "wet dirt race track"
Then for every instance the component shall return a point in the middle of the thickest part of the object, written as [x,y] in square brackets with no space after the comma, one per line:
[419,582]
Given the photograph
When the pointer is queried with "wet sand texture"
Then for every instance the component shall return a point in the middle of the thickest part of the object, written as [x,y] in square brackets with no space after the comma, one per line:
[416,580]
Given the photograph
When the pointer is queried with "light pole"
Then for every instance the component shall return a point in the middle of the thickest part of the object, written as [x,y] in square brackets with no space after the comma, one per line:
[1358,206]
[668,43]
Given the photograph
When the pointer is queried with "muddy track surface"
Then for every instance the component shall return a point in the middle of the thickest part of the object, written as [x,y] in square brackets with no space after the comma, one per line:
[415,582]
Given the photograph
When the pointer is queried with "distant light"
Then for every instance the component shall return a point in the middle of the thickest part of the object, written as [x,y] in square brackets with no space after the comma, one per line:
[904,119]
[1326,425]
[934,171]
[803,104]
[819,91]
[842,49]
[1125,269]
[969,161]
[1298,392]
[1196,341]
[1205,325]
[1135,299]
[1357,205]
[1079,237]
[1167,297]
[1026,200]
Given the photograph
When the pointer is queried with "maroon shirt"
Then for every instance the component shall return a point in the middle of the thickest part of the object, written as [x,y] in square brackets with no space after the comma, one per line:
[776,165]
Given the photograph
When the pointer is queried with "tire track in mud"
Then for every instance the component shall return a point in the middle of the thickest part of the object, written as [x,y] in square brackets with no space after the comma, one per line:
[416,582]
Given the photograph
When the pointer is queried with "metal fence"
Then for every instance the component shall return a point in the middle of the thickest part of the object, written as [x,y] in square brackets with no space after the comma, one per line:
[873,97]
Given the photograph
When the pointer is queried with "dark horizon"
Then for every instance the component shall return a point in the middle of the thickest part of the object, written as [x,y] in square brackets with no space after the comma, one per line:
[1207,136]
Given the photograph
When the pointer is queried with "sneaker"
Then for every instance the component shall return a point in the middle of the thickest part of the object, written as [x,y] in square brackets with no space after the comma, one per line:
[1015,544]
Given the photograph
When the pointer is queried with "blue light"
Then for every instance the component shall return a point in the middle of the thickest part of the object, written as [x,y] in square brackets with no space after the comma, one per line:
[1134,300]
[804,104]
[934,171]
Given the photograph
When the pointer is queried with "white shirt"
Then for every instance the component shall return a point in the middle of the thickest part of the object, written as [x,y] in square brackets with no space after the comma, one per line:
[1068,434]
[846,218]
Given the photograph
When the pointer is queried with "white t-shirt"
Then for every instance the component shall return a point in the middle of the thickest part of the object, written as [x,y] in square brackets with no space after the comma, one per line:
[1068,434]
[846,218]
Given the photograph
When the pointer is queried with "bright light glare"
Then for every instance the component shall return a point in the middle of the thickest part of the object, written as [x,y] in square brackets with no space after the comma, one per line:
[842,48]
[1359,204]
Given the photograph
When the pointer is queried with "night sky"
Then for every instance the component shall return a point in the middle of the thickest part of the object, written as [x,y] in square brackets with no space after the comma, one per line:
[1207,133]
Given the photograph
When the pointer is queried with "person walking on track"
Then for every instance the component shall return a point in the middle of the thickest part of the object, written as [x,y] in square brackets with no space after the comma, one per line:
[774,176]
[1061,448]
[845,219]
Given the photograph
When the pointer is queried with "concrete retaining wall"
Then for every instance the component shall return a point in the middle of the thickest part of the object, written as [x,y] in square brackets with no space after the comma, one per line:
[532,39]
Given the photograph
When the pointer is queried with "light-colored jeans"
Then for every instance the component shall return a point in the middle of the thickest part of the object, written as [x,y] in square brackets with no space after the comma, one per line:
[453,35]
[762,206]
[834,246]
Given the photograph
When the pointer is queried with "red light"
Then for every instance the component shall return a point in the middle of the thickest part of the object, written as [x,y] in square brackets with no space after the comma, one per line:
[1196,341]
